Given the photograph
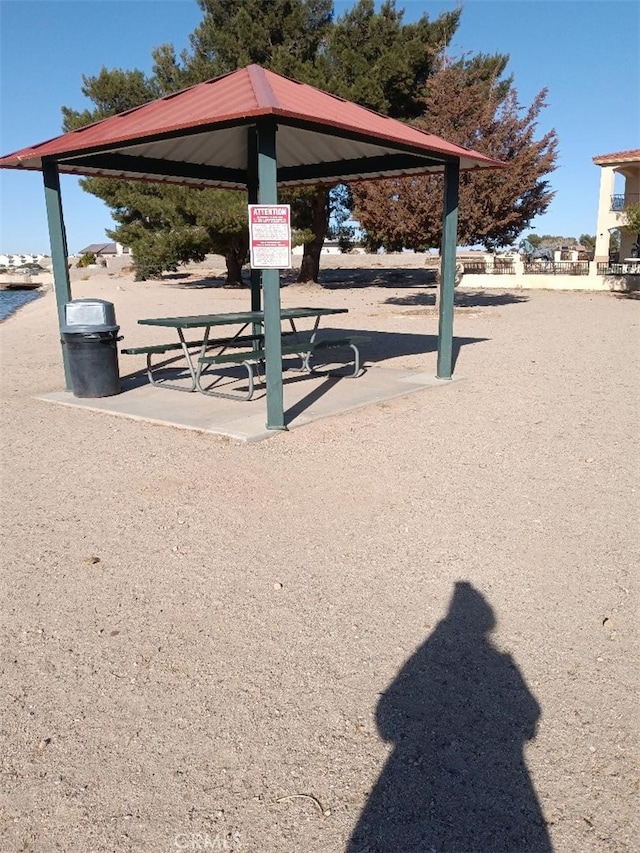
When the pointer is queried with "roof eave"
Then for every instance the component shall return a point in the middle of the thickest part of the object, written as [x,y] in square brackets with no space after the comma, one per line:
[32,158]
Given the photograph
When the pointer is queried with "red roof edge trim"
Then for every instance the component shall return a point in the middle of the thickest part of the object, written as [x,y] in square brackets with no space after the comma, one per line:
[265,96]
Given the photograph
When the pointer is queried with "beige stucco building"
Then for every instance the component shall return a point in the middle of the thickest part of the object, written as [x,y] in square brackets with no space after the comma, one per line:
[611,204]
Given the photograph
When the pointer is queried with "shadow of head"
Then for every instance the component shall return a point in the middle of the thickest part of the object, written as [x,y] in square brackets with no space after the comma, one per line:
[470,612]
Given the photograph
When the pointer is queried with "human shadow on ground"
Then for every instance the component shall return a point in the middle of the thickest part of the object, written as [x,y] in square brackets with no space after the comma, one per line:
[458,714]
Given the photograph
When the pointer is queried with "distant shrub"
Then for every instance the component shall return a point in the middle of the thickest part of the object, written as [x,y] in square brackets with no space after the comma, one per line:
[86,260]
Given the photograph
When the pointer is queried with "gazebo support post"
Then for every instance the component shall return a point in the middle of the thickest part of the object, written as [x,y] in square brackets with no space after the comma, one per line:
[252,193]
[268,194]
[59,253]
[448,270]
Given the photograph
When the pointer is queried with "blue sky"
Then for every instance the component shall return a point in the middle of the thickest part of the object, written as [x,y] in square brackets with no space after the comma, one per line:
[585,53]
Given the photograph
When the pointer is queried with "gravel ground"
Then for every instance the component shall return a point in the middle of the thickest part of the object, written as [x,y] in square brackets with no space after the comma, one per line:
[408,628]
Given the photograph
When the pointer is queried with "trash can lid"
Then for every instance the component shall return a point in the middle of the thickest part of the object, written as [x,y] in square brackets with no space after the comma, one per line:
[89,315]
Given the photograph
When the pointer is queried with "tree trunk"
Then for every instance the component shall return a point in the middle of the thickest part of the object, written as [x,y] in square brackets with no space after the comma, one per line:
[234,267]
[458,278]
[310,266]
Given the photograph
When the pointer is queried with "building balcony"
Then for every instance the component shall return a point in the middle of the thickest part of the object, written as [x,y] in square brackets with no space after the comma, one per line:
[620,202]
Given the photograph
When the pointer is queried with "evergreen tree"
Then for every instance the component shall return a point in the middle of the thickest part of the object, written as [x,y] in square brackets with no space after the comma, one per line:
[162,229]
[369,56]
[374,59]
[164,225]
[378,61]
[285,36]
[468,103]
[294,37]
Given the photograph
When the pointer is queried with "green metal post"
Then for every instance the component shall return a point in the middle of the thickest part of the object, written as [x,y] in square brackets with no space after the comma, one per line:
[448,270]
[59,253]
[268,194]
[252,192]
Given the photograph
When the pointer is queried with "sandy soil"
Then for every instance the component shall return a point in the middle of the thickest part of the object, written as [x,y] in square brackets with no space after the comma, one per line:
[408,628]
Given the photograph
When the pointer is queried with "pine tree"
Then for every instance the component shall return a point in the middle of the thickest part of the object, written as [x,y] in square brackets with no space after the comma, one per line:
[369,56]
[285,36]
[288,38]
[165,226]
[161,226]
[378,61]
[468,103]
[374,59]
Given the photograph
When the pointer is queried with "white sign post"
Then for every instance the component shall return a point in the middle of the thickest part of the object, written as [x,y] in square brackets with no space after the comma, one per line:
[270,236]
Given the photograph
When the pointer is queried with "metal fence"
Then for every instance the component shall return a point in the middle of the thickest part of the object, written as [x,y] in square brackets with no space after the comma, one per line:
[532,268]
[606,268]
[482,268]
[557,268]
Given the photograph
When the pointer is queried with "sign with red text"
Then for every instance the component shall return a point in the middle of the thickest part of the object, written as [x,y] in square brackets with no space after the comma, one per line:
[270,236]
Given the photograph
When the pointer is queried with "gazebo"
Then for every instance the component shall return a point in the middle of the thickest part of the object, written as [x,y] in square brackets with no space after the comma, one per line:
[256,130]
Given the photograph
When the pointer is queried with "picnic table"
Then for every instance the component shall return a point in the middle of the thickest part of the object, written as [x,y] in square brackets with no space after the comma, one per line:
[244,345]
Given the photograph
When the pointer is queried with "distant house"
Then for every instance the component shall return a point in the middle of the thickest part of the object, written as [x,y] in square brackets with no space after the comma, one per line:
[611,205]
[21,260]
[329,247]
[105,250]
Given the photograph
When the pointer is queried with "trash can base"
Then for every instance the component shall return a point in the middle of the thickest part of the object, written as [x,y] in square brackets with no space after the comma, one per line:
[93,363]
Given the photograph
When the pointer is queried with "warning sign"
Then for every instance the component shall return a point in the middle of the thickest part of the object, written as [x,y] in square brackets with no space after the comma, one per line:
[270,236]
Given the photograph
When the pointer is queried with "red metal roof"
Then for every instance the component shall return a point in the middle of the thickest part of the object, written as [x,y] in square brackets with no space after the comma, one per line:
[236,100]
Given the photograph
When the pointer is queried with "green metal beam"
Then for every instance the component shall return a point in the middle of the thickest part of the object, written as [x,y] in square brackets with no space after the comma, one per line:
[59,253]
[360,166]
[113,162]
[133,165]
[268,194]
[448,270]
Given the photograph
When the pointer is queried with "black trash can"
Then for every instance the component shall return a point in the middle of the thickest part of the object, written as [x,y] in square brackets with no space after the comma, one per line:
[90,336]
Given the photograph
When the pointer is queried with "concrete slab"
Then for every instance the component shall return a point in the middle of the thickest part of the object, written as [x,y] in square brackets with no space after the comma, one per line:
[307,399]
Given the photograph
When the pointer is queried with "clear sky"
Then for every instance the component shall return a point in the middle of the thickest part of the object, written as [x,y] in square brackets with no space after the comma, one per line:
[585,52]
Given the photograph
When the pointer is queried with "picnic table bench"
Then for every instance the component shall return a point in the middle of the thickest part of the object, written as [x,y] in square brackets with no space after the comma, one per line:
[181,345]
[198,357]
[252,359]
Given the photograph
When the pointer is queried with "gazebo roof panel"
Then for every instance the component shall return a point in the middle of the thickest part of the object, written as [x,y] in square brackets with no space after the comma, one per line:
[207,123]
[225,147]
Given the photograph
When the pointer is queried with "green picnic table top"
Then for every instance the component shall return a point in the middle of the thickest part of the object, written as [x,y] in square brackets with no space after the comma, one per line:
[204,320]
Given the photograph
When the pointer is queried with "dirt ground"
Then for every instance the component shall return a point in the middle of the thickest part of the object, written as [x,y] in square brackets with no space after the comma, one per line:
[408,628]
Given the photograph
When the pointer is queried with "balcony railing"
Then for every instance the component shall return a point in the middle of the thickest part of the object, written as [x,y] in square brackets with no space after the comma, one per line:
[557,268]
[499,267]
[604,268]
[619,202]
